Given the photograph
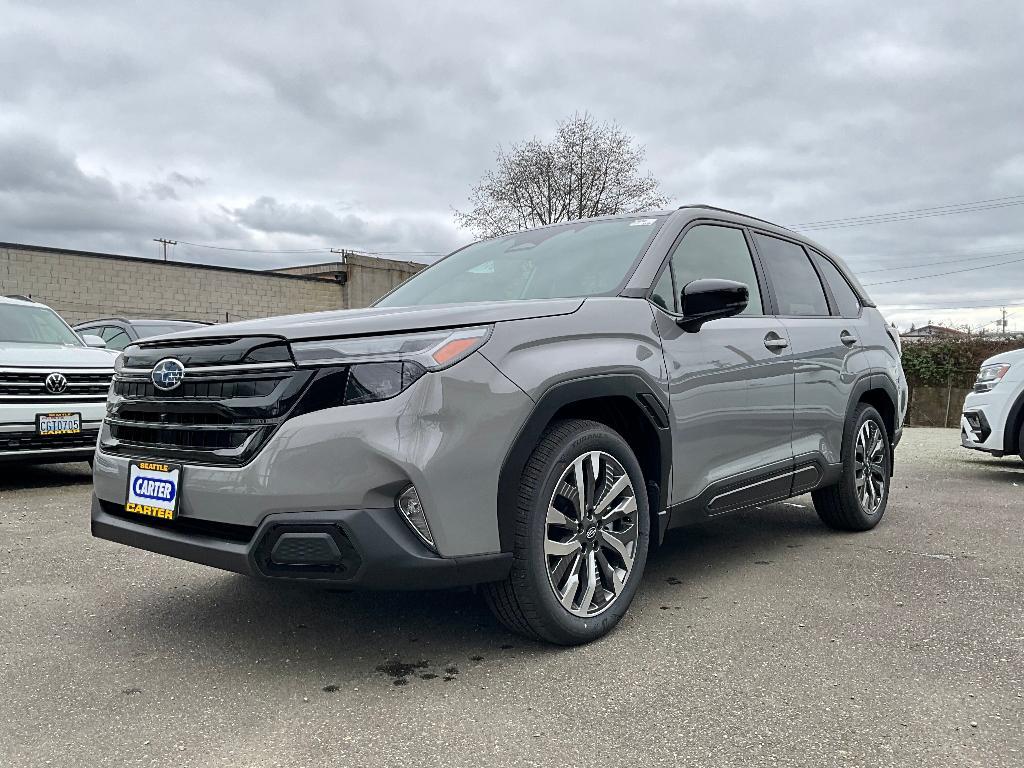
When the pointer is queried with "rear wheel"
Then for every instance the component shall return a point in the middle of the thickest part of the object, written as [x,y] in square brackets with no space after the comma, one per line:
[581,537]
[857,502]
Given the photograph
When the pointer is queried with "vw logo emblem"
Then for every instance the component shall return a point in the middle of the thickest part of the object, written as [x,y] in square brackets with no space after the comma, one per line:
[167,374]
[56,383]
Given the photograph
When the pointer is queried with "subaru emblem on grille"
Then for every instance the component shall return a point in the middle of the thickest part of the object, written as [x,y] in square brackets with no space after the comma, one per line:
[56,383]
[167,374]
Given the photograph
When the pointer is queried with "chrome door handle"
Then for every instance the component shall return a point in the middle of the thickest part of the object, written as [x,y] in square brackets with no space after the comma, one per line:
[847,338]
[774,342]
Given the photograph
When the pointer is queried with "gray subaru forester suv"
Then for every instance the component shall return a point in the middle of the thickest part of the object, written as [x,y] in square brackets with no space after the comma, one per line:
[530,414]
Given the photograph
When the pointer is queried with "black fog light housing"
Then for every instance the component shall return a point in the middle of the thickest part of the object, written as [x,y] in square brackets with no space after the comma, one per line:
[410,508]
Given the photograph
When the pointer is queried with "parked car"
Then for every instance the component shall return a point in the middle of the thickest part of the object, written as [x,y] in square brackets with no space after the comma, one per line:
[531,413]
[53,385]
[119,332]
[993,414]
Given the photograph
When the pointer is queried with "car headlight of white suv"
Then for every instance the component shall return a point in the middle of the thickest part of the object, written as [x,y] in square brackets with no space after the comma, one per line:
[989,376]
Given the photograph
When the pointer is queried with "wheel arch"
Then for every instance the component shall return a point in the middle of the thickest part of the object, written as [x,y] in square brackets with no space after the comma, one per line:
[879,391]
[1014,426]
[625,403]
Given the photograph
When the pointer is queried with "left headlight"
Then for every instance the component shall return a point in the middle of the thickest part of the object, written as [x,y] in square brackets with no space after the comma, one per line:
[989,376]
[380,367]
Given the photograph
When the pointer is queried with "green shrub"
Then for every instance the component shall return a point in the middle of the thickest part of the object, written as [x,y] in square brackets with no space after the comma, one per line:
[951,361]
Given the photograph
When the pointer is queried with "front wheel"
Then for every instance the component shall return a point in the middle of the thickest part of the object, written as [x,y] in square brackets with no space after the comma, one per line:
[857,502]
[581,537]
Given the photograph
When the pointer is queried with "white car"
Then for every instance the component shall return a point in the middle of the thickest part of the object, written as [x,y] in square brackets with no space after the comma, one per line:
[53,385]
[993,414]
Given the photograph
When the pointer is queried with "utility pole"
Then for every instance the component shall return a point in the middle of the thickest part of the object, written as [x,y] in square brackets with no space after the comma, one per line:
[1002,322]
[341,252]
[165,244]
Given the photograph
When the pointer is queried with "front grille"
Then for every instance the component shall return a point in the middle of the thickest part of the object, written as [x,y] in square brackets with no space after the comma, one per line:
[30,441]
[225,409]
[28,385]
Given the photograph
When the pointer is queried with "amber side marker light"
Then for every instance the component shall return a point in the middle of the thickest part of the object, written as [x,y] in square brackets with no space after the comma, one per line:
[453,349]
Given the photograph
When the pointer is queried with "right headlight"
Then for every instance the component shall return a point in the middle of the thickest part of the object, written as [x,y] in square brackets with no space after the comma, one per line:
[380,367]
[989,376]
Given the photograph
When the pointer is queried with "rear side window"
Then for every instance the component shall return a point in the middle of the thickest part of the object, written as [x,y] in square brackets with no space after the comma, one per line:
[716,252]
[846,299]
[797,287]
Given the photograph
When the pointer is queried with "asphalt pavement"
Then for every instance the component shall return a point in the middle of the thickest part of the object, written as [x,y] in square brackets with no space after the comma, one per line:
[762,639]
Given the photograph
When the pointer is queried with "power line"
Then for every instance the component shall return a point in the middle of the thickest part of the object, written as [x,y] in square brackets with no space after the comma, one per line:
[940,274]
[964,257]
[930,307]
[912,214]
[256,250]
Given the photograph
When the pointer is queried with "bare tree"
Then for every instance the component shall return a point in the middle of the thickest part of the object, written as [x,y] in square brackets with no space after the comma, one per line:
[588,169]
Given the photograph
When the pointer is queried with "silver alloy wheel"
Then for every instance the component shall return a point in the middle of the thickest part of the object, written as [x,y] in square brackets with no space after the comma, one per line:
[869,466]
[590,535]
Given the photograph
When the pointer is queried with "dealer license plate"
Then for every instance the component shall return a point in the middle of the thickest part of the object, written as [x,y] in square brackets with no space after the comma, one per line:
[153,489]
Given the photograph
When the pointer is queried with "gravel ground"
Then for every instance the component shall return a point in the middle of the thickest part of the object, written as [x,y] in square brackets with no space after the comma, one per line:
[762,639]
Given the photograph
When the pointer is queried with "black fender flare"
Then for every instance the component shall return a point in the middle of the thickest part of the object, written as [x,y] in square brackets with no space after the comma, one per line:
[629,385]
[1012,428]
[867,383]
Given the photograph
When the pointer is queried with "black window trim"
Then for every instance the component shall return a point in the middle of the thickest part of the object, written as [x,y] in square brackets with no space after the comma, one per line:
[829,301]
[767,300]
[837,312]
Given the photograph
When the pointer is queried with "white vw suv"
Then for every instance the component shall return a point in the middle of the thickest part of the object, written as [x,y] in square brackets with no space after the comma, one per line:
[53,385]
[993,414]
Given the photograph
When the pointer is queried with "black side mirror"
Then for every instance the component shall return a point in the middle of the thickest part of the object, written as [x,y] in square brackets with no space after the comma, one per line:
[710,299]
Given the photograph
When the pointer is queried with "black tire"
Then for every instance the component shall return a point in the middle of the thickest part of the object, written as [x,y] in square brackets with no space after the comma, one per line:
[842,506]
[526,602]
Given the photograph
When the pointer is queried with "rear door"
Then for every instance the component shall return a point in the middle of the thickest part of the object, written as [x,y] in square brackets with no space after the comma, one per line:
[730,383]
[827,354]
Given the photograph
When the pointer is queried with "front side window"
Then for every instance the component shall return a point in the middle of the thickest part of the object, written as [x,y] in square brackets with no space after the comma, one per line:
[846,299]
[581,258]
[116,338]
[797,287]
[710,251]
[663,294]
[20,324]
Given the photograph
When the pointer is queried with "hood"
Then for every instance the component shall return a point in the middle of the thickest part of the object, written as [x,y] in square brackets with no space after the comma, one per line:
[1013,356]
[377,320]
[54,356]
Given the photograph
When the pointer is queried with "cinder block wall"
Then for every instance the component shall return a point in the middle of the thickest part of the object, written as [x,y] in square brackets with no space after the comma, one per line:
[82,285]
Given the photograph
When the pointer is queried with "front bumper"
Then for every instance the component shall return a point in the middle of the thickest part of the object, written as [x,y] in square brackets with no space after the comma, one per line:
[375,550]
[982,421]
[19,442]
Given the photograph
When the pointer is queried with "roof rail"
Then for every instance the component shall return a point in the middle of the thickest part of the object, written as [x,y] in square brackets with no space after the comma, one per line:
[98,319]
[20,297]
[736,213]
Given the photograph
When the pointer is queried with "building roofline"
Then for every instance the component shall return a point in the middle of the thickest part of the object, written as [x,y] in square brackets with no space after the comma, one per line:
[150,260]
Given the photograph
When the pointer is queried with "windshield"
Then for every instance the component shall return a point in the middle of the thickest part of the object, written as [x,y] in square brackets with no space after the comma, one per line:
[582,258]
[158,329]
[20,324]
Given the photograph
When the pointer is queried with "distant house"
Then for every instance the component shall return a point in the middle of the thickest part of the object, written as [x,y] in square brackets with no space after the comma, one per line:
[931,333]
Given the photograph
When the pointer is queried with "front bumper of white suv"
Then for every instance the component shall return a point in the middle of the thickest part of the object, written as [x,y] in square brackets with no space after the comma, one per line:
[24,398]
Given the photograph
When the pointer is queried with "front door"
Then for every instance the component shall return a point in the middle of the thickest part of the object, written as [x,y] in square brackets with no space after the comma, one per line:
[730,384]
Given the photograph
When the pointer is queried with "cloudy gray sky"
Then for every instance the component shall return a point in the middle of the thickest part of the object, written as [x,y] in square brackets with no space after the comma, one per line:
[306,125]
